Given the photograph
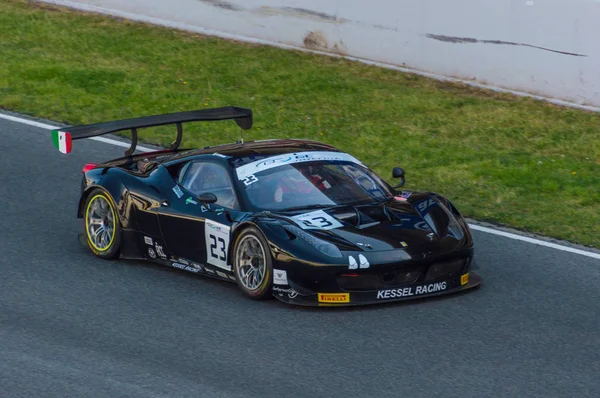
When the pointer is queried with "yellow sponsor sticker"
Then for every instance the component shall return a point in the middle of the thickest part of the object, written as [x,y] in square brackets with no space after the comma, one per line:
[334,297]
[464,279]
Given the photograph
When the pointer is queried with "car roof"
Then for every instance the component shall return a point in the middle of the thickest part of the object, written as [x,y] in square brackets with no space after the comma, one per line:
[251,150]
[240,153]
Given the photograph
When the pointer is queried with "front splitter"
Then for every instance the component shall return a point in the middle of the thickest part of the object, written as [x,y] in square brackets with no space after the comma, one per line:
[380,296]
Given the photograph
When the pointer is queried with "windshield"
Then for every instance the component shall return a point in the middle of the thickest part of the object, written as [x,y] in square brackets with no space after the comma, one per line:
[312,185]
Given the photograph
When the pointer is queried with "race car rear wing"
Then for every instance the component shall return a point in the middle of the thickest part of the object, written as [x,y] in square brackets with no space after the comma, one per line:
[63,137]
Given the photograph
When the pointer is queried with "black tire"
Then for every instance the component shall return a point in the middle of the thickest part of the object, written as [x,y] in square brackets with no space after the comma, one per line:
[110,250]
[264,289]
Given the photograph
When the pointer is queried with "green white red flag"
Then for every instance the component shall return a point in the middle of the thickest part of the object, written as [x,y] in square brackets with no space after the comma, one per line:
[62,141]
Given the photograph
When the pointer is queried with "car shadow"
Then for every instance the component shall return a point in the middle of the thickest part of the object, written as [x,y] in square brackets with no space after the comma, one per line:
[232,287]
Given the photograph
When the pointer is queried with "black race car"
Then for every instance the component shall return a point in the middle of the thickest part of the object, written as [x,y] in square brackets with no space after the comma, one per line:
[295,219]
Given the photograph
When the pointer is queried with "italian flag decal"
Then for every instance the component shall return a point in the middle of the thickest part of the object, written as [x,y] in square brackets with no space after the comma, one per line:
[62,141]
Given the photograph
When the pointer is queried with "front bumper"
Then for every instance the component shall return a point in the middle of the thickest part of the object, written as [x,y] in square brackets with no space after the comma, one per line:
[388,278]
[288,294]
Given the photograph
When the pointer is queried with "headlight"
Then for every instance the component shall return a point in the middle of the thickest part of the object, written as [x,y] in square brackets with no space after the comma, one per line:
[324,247]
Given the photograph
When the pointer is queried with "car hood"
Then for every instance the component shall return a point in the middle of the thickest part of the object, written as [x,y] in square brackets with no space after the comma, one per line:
[419,223]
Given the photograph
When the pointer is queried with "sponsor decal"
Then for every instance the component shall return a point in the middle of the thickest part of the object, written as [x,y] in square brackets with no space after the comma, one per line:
[404,244]
[148,240]
[291,158]
[221,155]
[423,206]
[183,261]
[411,291]
[185,267]
[334,297]
[403,196]
[151,252]
[291,293]
[464,279]
[231,277]
[422,225]
[210,271]
[368,246]
[222,274]
[190,200]
[280,277]
[196,265]
[178,191]
[217,244]
[160,251]
[316,220]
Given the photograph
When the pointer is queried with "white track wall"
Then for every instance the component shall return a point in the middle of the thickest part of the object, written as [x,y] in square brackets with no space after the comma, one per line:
[549,48]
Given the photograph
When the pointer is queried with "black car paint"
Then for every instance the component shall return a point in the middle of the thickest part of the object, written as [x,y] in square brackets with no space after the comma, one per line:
[395,238]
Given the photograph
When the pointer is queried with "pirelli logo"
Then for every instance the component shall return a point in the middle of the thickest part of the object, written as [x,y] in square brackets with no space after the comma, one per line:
[464,279]
[334,297]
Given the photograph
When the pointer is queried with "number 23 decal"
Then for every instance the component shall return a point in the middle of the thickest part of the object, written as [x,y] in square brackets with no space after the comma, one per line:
[317,220]
[250,179]
[217,244]
[222,254]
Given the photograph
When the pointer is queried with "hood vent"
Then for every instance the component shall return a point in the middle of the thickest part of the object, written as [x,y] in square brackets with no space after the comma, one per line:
[365,216]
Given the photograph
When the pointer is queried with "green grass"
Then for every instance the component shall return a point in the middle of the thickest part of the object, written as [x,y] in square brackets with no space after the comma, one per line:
[499,158]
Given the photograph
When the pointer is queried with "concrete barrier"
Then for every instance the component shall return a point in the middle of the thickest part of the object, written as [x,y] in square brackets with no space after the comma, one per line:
[547,48]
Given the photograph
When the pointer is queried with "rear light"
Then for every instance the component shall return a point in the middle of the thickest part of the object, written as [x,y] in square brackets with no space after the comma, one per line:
[88,167]
[351,275]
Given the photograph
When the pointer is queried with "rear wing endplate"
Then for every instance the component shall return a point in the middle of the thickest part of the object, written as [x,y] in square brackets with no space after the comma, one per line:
[63,137]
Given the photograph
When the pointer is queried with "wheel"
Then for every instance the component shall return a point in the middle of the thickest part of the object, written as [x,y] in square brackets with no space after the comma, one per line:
[102,226]
[253,265]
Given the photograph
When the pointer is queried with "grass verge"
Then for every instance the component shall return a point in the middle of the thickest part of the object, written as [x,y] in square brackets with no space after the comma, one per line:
[503,159]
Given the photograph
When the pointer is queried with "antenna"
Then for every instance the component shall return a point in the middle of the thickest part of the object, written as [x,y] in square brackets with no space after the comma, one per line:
[241,140]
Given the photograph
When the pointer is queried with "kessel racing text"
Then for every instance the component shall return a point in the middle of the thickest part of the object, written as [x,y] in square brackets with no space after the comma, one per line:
[411,291]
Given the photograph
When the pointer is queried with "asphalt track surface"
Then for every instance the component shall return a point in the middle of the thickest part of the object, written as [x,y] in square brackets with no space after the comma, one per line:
[72,325]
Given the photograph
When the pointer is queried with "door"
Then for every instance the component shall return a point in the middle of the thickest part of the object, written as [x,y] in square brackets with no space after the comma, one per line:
[191,230]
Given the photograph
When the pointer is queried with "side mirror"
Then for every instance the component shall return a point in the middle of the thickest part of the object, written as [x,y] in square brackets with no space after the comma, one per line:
[207,198]
[398,172]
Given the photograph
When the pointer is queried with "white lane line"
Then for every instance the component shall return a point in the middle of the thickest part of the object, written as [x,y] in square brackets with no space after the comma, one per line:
[534,241]
[29,122]
[51,127]
[475,227]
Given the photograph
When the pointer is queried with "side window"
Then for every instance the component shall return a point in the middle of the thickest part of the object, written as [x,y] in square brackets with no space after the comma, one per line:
[205,177]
